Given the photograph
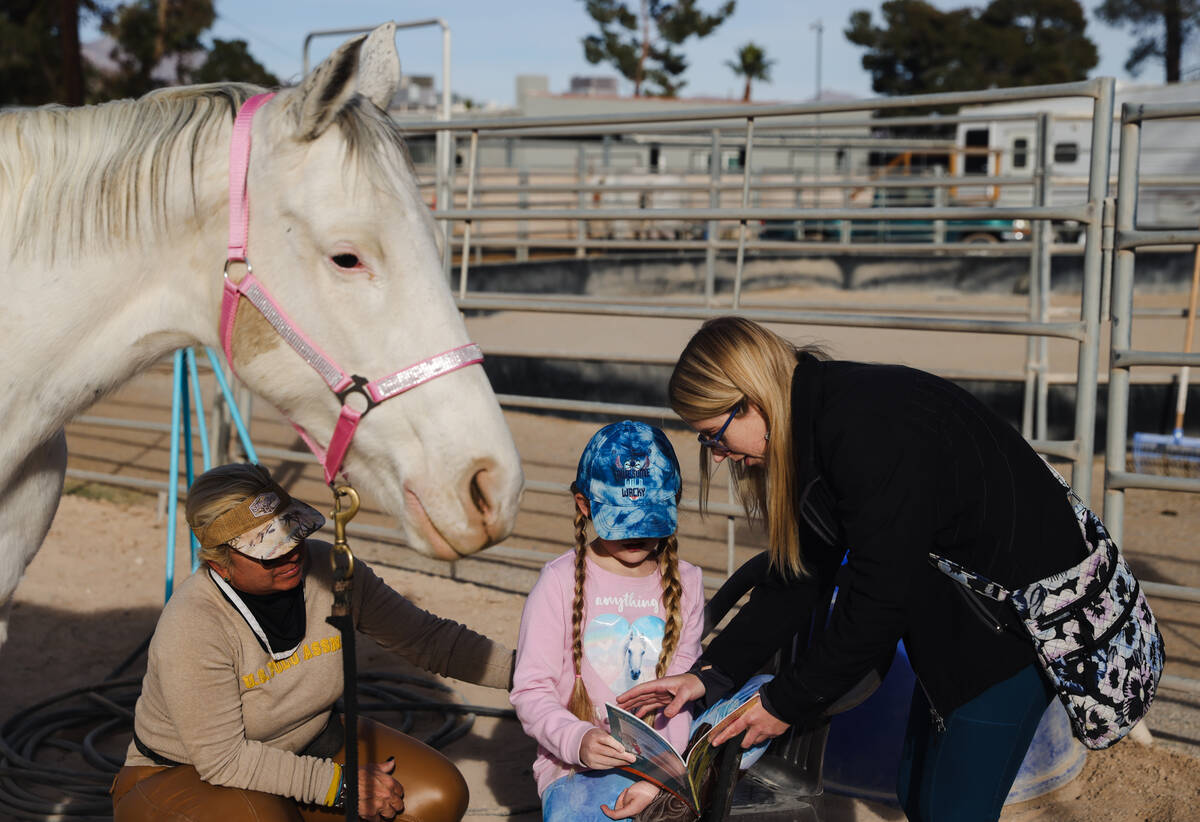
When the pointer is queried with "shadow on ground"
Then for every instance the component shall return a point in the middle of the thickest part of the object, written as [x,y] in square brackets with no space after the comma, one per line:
[54,653]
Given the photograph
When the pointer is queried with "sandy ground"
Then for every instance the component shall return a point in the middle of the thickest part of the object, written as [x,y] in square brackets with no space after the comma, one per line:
[95,589]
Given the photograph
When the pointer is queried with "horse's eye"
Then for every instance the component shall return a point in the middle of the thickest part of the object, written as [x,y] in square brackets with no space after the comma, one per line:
[345,260]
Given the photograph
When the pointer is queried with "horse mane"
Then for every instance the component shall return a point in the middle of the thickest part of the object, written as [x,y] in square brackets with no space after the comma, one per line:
[74,181]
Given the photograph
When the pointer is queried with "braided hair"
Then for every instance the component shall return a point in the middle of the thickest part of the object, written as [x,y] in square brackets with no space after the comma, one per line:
[580,703]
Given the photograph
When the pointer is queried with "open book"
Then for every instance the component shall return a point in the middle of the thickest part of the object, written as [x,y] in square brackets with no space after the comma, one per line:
[659,763]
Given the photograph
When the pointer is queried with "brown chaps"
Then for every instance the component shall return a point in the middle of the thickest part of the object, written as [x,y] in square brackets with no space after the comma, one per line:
[434,790]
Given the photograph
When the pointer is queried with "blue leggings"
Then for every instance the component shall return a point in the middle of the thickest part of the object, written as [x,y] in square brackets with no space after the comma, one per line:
[577,797]
[966,771]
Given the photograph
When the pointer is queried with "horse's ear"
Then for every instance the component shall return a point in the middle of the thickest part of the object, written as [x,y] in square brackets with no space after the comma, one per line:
[327,89]
[379,67]
[367,65]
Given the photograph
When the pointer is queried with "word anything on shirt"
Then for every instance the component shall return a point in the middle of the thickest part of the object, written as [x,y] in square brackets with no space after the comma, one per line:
[626,600]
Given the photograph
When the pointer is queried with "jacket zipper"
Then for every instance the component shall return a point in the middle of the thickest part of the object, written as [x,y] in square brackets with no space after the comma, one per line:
[976,607]
[939,724]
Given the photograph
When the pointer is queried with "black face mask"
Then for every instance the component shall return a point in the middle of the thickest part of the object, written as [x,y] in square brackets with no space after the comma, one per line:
[280,614]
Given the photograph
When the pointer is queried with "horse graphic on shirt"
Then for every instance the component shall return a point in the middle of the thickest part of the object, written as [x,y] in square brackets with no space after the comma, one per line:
[639,658]
[623,653]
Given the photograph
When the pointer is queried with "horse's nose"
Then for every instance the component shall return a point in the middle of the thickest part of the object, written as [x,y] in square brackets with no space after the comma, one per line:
[481,493]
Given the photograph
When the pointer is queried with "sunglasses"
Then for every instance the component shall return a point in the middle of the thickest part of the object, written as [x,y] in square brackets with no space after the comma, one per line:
[714,442]
[274,562]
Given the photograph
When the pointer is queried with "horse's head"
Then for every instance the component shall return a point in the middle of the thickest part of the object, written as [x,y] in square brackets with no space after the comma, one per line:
[340,237]
[636,646]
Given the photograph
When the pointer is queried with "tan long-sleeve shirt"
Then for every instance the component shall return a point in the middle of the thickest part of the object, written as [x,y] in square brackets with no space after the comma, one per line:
[212,696]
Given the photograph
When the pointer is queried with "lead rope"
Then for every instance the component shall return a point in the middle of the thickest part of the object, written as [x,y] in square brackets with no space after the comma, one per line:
[341,618]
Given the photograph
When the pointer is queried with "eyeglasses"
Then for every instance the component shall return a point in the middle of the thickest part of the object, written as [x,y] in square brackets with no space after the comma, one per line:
[714,442]
[274,562]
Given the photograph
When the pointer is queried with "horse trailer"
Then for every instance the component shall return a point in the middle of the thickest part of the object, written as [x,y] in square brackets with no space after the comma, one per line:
[1000,140]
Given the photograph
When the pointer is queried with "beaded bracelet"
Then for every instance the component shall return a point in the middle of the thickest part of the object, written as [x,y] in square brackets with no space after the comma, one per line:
[340,801]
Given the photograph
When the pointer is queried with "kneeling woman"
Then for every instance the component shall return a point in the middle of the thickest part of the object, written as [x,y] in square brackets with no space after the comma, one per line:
[236,718]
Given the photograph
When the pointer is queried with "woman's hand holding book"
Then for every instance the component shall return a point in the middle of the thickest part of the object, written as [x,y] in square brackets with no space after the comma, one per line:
[758,723]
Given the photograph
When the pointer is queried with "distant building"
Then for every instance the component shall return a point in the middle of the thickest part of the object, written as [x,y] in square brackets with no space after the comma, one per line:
[416,93]
[594,86]
[530,85]
[798,145]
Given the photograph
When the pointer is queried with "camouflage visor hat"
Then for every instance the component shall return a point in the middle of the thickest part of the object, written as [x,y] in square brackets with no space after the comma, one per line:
[265,526]
[630,475]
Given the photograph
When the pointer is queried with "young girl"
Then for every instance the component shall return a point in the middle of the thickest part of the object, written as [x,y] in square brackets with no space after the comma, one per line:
[616,611]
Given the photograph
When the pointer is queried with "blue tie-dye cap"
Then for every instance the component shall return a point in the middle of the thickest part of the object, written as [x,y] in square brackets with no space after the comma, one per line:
[630,475]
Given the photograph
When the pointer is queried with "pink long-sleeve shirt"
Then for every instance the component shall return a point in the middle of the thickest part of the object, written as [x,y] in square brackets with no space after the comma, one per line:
[622,626]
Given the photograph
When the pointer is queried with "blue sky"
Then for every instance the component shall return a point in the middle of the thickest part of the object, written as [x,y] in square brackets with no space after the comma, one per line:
[493,41]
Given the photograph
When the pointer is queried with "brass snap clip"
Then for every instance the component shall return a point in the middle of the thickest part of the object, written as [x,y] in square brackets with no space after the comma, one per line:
[345,506]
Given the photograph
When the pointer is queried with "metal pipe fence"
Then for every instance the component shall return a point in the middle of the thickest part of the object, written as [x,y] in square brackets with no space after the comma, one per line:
[718,127]
[1088,214]
[1128,238]
[482,201]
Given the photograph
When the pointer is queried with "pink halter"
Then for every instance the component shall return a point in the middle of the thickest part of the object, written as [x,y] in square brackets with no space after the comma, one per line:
[341,384]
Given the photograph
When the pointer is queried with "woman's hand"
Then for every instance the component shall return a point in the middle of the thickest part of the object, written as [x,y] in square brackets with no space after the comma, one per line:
[757,722]
[600,751]
[672,691]
[380,796]
[632,801]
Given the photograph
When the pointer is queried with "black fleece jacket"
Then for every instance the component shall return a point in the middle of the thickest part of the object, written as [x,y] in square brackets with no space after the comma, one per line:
[893,463]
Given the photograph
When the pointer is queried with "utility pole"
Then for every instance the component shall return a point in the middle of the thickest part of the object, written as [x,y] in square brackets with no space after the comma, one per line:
[819,28]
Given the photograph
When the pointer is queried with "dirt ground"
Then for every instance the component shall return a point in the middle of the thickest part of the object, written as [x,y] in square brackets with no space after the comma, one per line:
[95,589]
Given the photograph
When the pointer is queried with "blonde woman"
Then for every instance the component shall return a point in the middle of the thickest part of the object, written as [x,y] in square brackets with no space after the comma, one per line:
[878,465]
[236,720]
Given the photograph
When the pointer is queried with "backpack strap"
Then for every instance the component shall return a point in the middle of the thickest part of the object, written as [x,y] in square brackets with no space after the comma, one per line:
[976,582]
[1076,502]
[981,584]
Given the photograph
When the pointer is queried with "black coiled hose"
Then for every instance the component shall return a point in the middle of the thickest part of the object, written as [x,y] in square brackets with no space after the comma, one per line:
[57,757]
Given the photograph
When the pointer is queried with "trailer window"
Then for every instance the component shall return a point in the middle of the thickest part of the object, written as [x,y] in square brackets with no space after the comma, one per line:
[976,162]
[1066,152]
[656,160]
[1020,152]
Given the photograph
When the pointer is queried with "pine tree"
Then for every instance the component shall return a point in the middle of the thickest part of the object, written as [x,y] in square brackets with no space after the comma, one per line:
[641,45]
[1162,28]
[920,49]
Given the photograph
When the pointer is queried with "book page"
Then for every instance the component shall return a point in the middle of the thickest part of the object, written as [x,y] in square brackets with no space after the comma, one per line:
[656,761]
[702,753]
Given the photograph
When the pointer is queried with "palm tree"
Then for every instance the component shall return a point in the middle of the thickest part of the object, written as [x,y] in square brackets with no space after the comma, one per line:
[752,63]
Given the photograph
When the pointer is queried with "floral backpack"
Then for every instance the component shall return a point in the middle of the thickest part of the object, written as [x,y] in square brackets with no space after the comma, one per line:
[1093,631]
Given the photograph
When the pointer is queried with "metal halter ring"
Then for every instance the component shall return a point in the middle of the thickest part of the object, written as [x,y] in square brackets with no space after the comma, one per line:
[245,262]
[358,385]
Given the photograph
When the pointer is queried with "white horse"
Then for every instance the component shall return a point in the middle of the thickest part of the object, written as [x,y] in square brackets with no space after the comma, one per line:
[113,230]
[634,652]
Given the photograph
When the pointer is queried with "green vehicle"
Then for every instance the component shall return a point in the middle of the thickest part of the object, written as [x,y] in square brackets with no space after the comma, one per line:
[894,231]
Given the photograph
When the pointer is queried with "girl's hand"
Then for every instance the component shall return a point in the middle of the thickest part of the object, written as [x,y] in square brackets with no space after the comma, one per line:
[758,723]
[600,751]
[632,801]
[380,797]
[672,691]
